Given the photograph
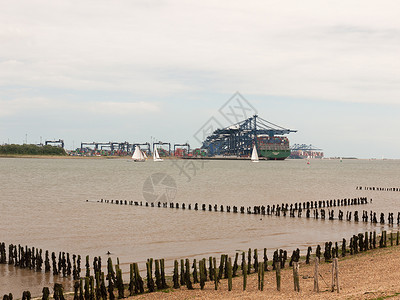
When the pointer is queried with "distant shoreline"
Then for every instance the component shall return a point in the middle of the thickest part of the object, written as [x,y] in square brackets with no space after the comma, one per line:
[61,156]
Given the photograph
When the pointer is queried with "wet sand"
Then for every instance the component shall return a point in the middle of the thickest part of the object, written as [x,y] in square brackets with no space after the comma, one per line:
[368,275]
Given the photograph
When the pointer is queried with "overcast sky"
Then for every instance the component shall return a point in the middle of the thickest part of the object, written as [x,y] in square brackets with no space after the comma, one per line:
[132,70]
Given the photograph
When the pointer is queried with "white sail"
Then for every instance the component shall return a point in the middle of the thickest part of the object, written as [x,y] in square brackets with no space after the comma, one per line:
[138,155]
[254,154]
[144,155]
[156,156]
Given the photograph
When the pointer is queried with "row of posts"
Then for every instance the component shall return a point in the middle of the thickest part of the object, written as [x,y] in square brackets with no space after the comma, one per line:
[309,208]
[186,272]
[380,189]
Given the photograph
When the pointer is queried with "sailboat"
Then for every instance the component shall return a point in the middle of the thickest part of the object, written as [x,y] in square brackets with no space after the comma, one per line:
[156,156]
[138,155]
[254,155]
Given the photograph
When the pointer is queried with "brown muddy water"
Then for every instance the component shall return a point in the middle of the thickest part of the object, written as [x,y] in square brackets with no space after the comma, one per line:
[43,204]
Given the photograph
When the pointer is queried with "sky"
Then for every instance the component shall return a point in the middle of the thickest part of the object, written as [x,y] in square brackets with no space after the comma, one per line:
[147,70]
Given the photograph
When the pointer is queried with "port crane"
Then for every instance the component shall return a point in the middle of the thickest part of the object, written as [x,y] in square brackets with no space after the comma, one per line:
[238,139]
[59,143]
[182,145]
[161,143]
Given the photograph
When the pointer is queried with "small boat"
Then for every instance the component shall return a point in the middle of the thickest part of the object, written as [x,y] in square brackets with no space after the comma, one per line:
[138,155]
[254,155]
[156,156]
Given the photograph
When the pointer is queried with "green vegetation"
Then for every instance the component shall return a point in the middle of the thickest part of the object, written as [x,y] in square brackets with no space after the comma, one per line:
[31,150]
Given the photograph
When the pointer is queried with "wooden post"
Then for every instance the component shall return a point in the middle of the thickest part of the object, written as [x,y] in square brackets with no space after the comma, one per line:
[157,273]
[162,267]
[244,270]
[210,268]
[202,266]
[296,279]
[187,275]
[195,277]
[235,265]
[249,261]
[150,281]
[316,275]
[138,279]
[335,275]
[175,277]
[182,272]
[391,238]
[262,276]
[278,275]
[229,274]
[216,279]
[131,280]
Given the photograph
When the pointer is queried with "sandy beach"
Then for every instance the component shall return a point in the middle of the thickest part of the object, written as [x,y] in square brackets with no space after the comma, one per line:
[369,275]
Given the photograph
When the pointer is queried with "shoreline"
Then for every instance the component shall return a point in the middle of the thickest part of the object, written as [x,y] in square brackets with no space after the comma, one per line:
[367,275]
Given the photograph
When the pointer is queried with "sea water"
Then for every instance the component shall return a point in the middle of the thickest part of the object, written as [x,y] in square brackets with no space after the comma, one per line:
[52,204]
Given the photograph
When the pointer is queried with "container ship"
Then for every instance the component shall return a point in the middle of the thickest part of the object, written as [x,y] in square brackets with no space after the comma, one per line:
[273,148]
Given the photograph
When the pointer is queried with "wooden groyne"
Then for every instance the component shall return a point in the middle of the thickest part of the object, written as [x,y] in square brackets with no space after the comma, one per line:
[193,274]
[311,209]
[378,189]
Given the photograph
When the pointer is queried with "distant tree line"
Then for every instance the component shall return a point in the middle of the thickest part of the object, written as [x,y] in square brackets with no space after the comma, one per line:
[30,149]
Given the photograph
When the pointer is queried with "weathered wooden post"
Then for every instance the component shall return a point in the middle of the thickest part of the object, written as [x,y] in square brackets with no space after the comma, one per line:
[335,275]
[158,274]
[195,277]
[344,248]
[296,276]
[110,270]
[309,249]
[98,285]
[131,287]
[249,261]
[265,260]
[87,289]
[201,271]
[26,295]
[221,266]
[139,288]
[316,274]
[175,277]
[235,265]
[120,283]
[229,274]
[150,281]
[187,275]
[255,260]
[87,266]
[205,269]
[262,275]
[278,275]
[58,292]
[163,280]
[182,272]
[92,294]
[215,272]
[46,293]
[78,266]
[81,294]
[210,268]
[103,289]
[244,271]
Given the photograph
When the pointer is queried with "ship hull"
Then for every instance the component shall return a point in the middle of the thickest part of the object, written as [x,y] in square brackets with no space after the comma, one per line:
[275,154]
